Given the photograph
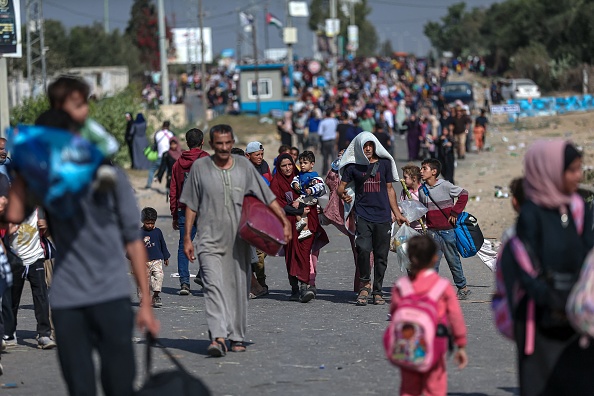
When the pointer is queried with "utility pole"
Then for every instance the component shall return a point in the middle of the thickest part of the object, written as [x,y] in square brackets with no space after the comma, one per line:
[35,45]
[352,23]
[163,54]
[202,64]
[106,16]
[289,46]
[256,73]
[4,112]
[334,41]
[266,43]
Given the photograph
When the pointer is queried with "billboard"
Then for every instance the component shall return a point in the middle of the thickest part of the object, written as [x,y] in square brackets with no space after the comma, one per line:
[10,28]
[186,42]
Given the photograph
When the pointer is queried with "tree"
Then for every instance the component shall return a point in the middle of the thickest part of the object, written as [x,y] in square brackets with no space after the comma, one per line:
[143,30]
[319,11]
[386,48]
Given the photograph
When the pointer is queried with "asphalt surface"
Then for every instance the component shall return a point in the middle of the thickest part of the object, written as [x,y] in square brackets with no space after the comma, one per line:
[329,346]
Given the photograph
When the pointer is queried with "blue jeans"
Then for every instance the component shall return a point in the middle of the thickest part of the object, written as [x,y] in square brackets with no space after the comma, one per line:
[151,172]
[182,261]
[446,241]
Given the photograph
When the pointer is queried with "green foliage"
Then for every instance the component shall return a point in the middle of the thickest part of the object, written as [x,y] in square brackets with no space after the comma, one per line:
[108,112]
[28,112]
[84,46]
[143,32]
[556,34]
[533,62]
[368,39]
[386,48]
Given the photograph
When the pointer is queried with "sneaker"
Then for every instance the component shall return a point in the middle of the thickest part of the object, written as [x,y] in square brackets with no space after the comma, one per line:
[304,234]
[9,340]
[184,290]
[45,343]
[464,293]
[306,295]
[300,225]
[157,302]
[314,290]
[198,281]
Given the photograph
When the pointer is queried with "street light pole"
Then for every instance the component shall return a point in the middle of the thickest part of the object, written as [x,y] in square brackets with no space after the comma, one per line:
[202,64]
[163,54]
[334,41]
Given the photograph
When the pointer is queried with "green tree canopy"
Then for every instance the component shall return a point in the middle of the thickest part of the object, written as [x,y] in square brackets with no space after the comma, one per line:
[143,32]
[557,29]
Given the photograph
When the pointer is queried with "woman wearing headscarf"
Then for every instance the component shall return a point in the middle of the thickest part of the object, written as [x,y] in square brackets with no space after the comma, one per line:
[414,136]
[297,253]
[401,116]
[139,143]
[555,227]
[128,136]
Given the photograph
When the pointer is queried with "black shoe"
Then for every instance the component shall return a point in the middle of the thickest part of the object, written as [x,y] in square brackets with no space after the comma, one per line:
[198,281]
[306,295]
[184,290]
[294,295]
[314,290]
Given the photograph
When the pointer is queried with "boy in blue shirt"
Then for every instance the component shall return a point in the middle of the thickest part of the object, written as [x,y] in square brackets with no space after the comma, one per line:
[310,186]
[157,252]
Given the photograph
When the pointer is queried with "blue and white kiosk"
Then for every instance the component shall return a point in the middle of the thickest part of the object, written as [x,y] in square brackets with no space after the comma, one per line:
[274,86]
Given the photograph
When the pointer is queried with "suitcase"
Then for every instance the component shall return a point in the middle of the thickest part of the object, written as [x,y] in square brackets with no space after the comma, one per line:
[260,227]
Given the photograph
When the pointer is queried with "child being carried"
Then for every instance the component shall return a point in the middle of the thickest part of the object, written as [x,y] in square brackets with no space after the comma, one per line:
[310,186]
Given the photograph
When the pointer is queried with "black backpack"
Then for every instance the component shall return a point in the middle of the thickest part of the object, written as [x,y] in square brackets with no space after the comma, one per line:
[173,382]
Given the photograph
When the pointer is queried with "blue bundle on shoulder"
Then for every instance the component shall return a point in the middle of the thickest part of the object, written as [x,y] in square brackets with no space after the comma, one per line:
[58,166]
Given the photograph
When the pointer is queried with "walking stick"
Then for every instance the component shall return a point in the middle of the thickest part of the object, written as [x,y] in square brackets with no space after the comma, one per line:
[408,194]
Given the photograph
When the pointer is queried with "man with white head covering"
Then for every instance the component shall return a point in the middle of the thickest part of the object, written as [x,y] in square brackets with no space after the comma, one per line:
[368,169]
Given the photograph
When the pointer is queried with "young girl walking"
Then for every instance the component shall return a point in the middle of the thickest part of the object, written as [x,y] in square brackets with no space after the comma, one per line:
[422,252]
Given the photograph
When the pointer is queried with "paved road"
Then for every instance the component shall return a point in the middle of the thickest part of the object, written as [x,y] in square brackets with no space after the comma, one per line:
[326,347]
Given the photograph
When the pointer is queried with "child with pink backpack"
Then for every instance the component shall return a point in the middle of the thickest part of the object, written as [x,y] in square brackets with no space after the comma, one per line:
[425,316]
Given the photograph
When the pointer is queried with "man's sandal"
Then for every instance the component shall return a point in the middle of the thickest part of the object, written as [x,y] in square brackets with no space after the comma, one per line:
[217,349]
[378,300]
[238,346]
[363,296]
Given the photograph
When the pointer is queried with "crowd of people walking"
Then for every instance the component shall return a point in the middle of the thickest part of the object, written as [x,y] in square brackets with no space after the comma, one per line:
[351,129]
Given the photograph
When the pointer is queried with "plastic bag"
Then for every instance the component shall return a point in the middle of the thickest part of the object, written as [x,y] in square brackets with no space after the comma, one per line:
[412,210]
[399,244]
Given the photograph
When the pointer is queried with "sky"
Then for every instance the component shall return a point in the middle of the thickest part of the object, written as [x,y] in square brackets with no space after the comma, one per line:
[400,21]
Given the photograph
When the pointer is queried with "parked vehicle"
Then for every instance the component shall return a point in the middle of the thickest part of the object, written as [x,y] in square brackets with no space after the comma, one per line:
[521,88]
[453,91]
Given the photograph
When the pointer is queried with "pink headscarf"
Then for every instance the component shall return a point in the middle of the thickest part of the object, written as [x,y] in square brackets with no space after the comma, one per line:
[543,168]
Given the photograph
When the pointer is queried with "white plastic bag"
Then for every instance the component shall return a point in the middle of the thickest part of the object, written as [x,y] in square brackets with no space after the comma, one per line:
[412,210]
[399,244]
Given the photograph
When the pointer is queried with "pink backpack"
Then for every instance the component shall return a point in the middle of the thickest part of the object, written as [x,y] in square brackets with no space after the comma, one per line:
[501,309]
[411,339]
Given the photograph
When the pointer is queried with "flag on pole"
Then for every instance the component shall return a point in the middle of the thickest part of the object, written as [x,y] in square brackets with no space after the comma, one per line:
[272,20]
[246,21]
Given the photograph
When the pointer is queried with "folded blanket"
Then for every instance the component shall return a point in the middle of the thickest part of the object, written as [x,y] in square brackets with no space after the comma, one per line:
[354,155]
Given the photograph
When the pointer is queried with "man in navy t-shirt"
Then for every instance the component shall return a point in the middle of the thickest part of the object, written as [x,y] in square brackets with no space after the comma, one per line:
[375,199]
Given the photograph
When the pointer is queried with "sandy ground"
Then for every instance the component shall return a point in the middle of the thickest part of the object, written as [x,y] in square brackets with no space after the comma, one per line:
[507,142]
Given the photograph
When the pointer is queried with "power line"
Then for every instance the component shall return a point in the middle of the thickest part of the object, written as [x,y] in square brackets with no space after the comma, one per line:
[83,14]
